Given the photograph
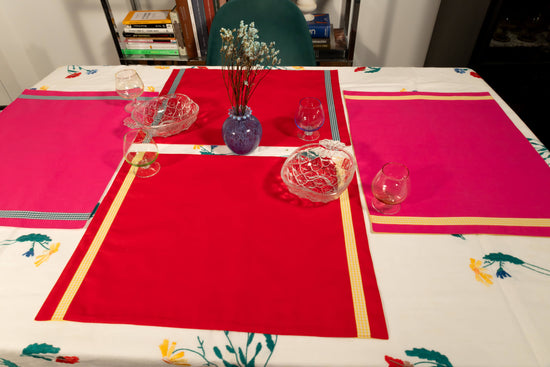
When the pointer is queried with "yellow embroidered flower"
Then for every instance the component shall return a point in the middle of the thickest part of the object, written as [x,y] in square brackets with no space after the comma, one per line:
[298,67]
[44,87]
[41,259]
[169,356]
[150,88]
[162,67]
[195,147]
[481,276]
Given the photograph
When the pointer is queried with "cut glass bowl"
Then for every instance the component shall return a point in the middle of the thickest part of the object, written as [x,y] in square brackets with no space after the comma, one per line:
[164,115]
[320,172]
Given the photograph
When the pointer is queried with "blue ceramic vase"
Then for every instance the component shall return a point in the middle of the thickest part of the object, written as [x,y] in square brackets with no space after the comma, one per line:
[242,134]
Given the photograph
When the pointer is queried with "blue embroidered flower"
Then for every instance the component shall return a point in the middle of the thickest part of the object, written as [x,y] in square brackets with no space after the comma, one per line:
[461,70]
[29,253]
[501,273]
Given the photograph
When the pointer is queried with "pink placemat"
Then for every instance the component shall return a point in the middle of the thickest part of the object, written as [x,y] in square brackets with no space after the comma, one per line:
[471,169]
[59,150]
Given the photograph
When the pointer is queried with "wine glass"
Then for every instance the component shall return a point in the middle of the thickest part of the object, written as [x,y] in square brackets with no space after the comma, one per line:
[141,151]
[390,187]
[309,118]
[129,85]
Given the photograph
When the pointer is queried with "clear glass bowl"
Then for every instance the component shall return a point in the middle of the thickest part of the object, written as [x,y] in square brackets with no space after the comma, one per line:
[164,115]
[320,172]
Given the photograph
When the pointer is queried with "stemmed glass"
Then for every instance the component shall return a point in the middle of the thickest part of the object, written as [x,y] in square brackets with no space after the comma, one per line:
[390,187]
[141,151]
[309,118]
[129,85]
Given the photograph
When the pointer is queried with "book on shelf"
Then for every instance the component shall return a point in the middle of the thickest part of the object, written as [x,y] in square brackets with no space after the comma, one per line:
[178,32]
[209,12]
[319,27]
[147,35]
[128,29]
[147,17]
[321,42]
[131,52]
[184,15]
[200,28]
[137,45]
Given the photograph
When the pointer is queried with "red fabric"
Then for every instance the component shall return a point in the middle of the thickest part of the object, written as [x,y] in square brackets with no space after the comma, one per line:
[274,103]
[218,242]
[466,159]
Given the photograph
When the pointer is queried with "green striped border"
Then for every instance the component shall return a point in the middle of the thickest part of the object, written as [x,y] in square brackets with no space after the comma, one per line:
[331,107]
[24,214]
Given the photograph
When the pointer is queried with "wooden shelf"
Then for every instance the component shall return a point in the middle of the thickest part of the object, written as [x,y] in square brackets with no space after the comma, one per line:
[339,54]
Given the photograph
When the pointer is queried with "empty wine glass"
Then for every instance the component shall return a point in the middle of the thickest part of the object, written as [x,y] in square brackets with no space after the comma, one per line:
[129,85]
[390,187]
[141,151]
[309,118]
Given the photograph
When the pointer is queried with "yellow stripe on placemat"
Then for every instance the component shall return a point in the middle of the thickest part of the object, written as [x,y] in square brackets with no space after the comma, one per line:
[357,291]
[88,259]
[461,221]
[418,96]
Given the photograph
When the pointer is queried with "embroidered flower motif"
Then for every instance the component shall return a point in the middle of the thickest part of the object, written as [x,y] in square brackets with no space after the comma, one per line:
[479,271]
[41,259]
[74,75]
[162,67]
[67,359]
[150,88]
[367,69]
[44,87]
[501,273]
[170,356]
[394,362]
[475,75]
[461,70]
[501,260]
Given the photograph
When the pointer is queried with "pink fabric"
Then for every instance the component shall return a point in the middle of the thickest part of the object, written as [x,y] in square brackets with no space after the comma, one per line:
[466,159]
[58,154]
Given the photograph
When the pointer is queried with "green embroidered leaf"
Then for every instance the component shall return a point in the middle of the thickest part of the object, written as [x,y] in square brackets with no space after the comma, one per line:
[230,349]
[227,364]
[430,355]
[461,236]
[258,348]
[269,342]
[217,352]
[5,362]
[499,256]
[249,340]
[37,350]
[242,357]
[34,237]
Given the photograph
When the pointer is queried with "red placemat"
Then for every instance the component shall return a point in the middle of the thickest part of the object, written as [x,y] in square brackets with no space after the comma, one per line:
[218,242]
[59,150]
[274,103]
[471,169]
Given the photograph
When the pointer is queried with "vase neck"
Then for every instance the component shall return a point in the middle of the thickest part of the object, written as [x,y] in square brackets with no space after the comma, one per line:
[240,111]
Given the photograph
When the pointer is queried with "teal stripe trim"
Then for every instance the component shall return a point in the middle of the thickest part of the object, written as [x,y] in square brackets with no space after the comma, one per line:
[79,98]
[23,214]
[176,82]
[331,107]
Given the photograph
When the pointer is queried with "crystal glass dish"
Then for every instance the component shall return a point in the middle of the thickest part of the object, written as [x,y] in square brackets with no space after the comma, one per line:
[320,172]
[165,115]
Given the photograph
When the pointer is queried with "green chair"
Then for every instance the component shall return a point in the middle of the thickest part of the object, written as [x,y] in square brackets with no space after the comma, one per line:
[276,20]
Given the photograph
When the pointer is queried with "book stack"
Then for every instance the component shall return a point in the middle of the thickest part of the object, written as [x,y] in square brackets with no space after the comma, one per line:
[319,28]
[150,32]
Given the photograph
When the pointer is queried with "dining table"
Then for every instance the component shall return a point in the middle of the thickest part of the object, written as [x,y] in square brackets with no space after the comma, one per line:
[214,262]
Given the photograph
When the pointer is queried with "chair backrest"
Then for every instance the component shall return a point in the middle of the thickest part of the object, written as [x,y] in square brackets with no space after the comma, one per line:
[276,20]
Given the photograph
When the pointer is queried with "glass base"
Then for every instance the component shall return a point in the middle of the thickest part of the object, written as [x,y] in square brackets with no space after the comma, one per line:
[148,171]
[309,135]
[388,209]
[130,106]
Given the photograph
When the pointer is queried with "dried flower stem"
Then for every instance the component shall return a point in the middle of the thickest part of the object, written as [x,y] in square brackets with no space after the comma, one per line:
[245,62]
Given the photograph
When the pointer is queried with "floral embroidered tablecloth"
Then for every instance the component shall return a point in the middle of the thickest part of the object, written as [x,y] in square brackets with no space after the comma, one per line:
[449,300]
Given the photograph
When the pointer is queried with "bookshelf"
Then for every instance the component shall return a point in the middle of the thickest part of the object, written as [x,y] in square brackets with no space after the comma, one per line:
[340,52]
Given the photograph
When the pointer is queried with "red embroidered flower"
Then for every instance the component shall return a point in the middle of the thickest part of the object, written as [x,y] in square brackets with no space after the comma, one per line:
[67,359]
[394,362]
[73,75]
[475,75]
[361,68]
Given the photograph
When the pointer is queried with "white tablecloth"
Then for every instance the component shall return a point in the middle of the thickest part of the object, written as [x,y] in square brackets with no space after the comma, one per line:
[442,306]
